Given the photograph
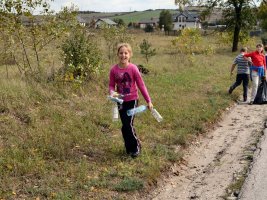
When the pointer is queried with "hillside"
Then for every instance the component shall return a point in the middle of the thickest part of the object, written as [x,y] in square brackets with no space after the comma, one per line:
[137,16]
[127,17]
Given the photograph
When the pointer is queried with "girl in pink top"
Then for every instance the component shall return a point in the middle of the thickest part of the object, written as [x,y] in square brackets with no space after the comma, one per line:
[125,80]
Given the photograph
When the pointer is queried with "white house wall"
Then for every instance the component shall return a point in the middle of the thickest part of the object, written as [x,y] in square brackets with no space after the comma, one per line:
[176,26]
[101,23]
[142,26]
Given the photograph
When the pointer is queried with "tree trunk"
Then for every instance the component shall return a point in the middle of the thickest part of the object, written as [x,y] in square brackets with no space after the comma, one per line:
[237,27]
[236,38]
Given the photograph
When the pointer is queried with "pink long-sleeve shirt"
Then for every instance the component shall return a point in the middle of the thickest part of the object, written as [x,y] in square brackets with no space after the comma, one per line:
[126,80]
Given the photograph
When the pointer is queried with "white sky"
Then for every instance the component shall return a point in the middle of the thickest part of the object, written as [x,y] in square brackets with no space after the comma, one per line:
[114,5]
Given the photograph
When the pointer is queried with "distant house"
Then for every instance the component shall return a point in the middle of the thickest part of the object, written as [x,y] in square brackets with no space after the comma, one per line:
[145,22]
[81,21]
[186,19]
[104,21]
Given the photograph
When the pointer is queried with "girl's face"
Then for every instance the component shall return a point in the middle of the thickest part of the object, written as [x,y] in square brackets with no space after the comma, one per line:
[124,56]
[259,49]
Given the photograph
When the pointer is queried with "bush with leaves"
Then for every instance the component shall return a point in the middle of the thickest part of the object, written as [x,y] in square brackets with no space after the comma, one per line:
[262,15]
[225,39]
[146,49]
[82,58]
[188,41]
[119,21]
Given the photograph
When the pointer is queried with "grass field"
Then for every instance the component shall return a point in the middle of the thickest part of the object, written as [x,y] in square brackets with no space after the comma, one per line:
[141,15]
[58,141]
[126,17]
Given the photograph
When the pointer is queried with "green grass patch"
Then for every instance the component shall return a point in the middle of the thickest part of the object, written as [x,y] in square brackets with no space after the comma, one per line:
[129,184]
[141,15]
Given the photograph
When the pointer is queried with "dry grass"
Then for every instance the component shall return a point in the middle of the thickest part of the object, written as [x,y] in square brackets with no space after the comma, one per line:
[57,141]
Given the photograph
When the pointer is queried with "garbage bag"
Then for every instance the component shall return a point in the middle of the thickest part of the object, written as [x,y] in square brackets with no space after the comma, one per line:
[261,96]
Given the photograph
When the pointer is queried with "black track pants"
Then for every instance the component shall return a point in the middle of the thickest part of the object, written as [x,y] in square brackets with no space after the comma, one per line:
[131,141]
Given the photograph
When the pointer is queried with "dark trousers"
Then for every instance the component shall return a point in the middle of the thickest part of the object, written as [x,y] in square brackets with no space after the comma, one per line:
[239,79]
[131,141]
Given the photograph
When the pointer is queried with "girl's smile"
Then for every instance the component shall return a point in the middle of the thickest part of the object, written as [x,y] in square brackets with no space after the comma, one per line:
[124,56]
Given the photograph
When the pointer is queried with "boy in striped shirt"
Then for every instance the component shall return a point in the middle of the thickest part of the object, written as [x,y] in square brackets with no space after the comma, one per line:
[242,73]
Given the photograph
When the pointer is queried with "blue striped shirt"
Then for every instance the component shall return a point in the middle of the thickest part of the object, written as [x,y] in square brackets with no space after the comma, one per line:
[242,64]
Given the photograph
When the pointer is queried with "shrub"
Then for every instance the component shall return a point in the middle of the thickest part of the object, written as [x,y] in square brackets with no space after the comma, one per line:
[188,41]
[82,58]
[146,50]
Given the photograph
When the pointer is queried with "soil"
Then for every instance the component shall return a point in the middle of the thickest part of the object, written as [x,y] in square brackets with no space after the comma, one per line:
[211,162]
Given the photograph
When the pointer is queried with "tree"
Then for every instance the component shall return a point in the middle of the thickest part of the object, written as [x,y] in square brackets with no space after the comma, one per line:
[239,19]
[146,50]
[119,21]
[262,15]
[237,9]
[188,41]
[25,41]
[113,36]
[165,18]
[81,55]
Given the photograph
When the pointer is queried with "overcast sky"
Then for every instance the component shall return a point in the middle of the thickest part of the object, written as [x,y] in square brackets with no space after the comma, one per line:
[114,5]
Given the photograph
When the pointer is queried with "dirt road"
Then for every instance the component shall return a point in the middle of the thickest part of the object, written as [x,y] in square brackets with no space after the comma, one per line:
[213,161]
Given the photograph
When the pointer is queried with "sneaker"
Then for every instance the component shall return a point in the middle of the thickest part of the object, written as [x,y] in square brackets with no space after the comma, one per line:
[134,155]
[251,102]
[230,90]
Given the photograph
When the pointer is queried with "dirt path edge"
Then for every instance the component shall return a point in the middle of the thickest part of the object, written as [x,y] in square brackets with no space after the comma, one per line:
[212,162]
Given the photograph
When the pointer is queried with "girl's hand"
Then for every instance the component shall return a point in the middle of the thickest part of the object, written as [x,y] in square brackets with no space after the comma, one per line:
[150,106]
[114,94]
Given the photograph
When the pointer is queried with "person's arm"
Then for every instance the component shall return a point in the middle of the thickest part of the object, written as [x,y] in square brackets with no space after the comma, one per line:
[248,54]
[142,87]
[264,63]
[111,82]
[247,58]
[232,69]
